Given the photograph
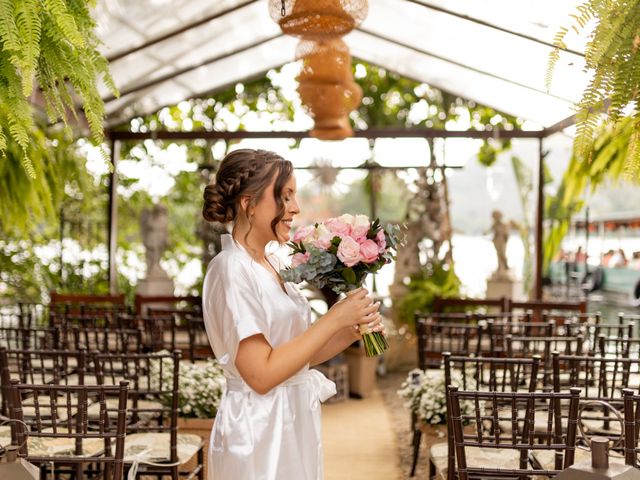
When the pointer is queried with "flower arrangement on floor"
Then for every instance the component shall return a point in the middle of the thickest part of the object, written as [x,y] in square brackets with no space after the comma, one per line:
[200,386]
[339,253]
[425,394]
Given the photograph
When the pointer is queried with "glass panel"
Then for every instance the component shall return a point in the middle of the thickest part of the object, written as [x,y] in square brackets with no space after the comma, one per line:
[207,78]
[124,24]
[499,94]
[540,19]
[476,46]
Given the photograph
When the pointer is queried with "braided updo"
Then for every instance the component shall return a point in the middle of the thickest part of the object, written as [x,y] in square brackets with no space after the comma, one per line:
[245,172]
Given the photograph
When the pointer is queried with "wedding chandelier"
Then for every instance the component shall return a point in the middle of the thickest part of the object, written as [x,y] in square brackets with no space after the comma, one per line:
[326,84]
[326,87]
[318,19]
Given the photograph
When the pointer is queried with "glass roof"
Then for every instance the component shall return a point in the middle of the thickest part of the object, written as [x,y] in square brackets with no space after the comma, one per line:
[492,51]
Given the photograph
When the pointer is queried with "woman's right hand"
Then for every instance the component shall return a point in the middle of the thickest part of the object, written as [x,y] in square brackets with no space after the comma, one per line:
[355,308]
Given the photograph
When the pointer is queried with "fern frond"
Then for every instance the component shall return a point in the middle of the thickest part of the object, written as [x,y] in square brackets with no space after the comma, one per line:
[9,35]
[65,22]
[29,25]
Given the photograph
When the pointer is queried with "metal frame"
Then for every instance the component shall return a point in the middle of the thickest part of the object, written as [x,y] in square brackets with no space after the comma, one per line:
[117,136]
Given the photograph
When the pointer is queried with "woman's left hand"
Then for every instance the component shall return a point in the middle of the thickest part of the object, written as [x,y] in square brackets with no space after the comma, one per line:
[374,325]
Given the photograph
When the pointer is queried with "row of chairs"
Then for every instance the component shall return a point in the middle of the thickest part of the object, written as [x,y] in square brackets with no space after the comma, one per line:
[506,393]
[67,407]
[161,330]
[555,349]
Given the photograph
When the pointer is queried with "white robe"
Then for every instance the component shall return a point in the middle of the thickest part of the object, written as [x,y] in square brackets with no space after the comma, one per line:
[276,436]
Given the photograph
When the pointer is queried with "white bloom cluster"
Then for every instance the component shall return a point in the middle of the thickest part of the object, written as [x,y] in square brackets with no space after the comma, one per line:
[200,386]
[425,394]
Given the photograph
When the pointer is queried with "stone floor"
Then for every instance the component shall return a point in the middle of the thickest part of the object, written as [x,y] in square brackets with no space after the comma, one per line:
[359,440]
[400,421]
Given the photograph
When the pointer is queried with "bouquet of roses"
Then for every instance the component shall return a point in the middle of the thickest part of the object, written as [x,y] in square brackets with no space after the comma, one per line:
[339,253]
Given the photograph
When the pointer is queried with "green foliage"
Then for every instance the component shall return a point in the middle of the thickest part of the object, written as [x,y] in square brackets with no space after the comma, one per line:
[437,280]
[25,201]
[612,56]
[30,211]
[608,157]
[51,44]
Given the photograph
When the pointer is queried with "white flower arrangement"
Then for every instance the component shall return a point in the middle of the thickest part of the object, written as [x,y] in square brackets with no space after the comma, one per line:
[200,386]
[425,394]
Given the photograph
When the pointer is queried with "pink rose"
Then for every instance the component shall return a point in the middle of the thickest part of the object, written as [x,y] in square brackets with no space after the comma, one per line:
[359,234]
[381,241]
[349,251]
[369,251]
[323,243]
[338,227]
[303,233]
[299,259]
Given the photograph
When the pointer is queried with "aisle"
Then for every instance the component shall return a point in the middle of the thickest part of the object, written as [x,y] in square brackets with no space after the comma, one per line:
[359,441]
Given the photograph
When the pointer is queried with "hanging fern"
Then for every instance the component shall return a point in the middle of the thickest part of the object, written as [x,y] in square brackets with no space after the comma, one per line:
[612,55]
[50,45]
[26,202]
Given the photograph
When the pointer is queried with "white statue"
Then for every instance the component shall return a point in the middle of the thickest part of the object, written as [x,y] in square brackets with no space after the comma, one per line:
[154,223]
[501,231]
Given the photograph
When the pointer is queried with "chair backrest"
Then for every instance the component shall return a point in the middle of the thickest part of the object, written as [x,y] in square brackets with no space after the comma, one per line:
[492,374]
[440,304]
[593,333]
[540,307]
[517,410]
[25,338]
[106,340]
[153,390]
[144,302]
[435,338]
[602,382]
[631,427]
[497,331]
[61,431]
[162,331]
[486,374]
[62,307]
[623,347]
[199,345]
[36,367]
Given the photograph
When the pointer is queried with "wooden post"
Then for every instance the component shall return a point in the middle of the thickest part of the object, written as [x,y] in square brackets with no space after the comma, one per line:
[112,240]
[539,220]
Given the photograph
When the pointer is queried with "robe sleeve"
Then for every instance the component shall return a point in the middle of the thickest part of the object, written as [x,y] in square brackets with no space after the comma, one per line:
[242,307]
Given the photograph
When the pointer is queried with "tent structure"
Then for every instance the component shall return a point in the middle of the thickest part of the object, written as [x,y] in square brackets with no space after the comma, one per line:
[494,52]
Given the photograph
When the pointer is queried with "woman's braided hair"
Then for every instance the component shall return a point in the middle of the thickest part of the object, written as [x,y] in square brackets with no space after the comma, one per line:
[245,172]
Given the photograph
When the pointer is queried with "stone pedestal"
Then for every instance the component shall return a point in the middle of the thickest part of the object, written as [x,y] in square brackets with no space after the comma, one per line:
[504,285]
[157,283]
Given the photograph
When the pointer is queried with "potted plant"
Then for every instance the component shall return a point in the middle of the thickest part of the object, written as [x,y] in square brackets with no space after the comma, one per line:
[425,394]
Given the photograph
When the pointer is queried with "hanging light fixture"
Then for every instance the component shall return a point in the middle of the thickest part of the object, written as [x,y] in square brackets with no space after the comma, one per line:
[326,87]
[324,60]
[318,19]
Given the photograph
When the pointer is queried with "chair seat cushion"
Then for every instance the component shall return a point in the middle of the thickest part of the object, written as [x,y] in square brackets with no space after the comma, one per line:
[112,404]
[438,454]
[155,447]
[546,458]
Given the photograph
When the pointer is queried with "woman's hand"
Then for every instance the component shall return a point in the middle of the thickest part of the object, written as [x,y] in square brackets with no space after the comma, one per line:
[355,309]
[375,325]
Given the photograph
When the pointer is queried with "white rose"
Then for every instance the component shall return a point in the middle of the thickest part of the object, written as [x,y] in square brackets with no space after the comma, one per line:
[347,218]
[322,231]
[361,221]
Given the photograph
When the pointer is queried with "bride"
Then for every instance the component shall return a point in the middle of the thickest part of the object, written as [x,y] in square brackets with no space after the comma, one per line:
[268,422]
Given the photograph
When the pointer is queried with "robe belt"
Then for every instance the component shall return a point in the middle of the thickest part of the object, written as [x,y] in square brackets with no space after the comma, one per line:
[321,387]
